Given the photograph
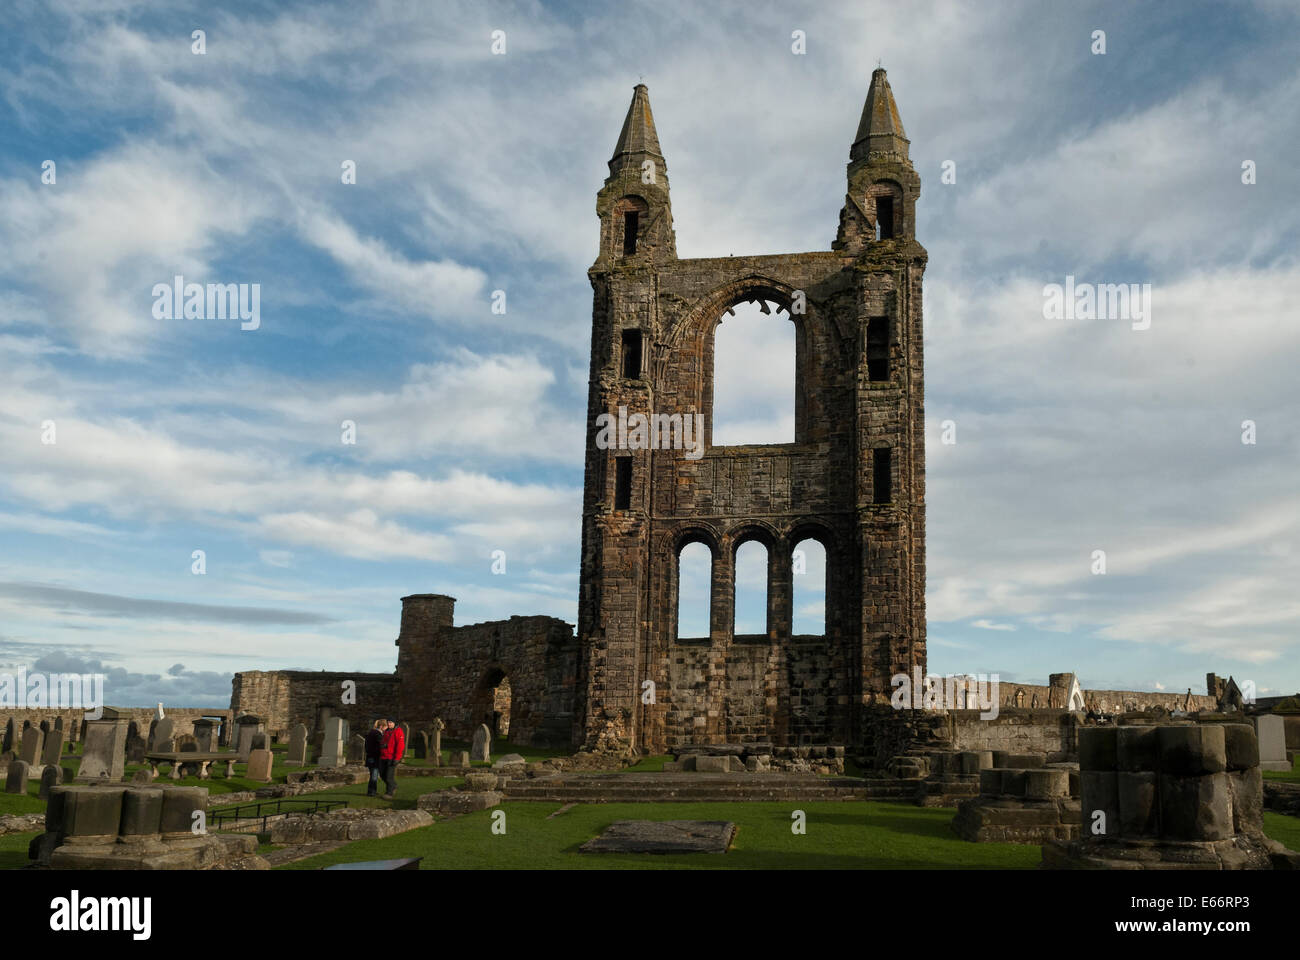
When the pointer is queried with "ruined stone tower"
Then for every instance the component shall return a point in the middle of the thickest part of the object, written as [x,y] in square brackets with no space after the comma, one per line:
[853,479]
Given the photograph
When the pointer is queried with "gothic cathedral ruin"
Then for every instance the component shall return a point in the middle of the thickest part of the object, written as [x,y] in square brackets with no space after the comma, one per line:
[853,479]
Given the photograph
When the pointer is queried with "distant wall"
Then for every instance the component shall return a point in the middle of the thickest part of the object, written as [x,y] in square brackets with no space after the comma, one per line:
[285,698]
[184,718]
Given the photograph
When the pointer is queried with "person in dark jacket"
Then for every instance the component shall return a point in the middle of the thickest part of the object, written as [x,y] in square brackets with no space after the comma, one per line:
[391,755]
[374,752]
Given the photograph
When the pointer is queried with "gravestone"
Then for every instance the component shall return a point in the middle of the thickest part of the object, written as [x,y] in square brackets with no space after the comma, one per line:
[149,737]
[459,758]
[33,741]
[105,753]
[297,755]
[45,727]
[421,745]
[481,748]
[8,743]
[205,735]
[435,740]
[188,744]
[164,736]
[406,733]
[52,752]
[16,782]
[58,723]
[1271,731]
[259,765]
[51,776]
[357,749]
[246,726]
[261,741]
[136,748]
[332,747]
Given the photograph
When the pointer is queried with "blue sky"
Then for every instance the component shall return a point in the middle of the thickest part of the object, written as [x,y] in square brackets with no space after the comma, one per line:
[478,172]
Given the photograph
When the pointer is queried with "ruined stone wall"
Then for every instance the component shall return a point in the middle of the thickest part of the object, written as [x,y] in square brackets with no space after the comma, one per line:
[1038,696]
[285,698]
[73,720]
[1048,731]
[457,673]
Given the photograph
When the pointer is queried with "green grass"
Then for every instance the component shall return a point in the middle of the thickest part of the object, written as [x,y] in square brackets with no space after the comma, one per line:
[647,765]
[1282,828]
[840,835]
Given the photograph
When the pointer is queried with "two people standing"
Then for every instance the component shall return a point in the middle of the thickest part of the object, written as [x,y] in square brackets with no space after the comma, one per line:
[385,748]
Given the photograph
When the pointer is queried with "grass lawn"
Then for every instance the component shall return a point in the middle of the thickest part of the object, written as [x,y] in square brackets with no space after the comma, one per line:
[840,835]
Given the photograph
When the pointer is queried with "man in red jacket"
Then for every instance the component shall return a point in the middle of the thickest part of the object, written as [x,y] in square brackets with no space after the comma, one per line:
[391,755]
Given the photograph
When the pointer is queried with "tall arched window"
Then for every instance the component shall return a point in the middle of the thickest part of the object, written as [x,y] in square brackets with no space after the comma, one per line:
[751,590]
[808,566]
[754,376]
[694,591]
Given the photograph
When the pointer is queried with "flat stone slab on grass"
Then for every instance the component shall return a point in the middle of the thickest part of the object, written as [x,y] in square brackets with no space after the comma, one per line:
[663,836]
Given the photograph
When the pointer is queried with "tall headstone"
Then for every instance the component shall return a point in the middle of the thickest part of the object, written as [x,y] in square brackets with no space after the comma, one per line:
[421,745]
[136,748]
[297,755]
[104,757]
[16,781]
[52,752]
[152,739]
[332,749]
[245,726]
[46,727]
[205,734]
[435,740]
[8,743]
[33,741]
[406,733]
[58,722]
[259,765]
[51,776]
[481,748]
[1271,731]
[164,736]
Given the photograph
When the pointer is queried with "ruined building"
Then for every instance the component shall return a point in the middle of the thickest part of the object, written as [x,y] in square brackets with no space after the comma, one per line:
[853,479]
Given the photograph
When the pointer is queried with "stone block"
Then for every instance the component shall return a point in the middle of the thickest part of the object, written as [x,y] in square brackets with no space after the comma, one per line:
[1046,784]
[179,804]
[712,764]
[1247,790]
[968,762]
[1097,748]
[1025,761]
[1195,808]
[990,782]
[480,782]
[142,809]
[1191,750]
[1013,782]
[1139,805]
[90,813]
[1137,749]
[1240,746]
[1099,790]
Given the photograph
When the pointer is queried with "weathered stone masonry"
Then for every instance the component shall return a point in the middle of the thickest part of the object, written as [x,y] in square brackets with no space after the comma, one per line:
[859,422]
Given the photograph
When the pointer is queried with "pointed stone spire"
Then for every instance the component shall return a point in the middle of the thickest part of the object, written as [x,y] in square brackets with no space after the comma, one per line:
[880,131]
[638,140]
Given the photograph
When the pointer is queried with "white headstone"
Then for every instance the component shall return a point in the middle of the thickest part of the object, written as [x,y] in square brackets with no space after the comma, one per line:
[332,751]
[1271,731]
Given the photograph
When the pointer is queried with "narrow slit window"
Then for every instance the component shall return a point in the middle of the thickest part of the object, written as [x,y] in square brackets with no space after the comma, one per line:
[623,483]
[878,349]
[629,232]
[884,218]
[631,354]
[880,475]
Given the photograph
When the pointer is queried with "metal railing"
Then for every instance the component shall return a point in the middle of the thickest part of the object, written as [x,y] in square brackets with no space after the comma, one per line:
[236,813]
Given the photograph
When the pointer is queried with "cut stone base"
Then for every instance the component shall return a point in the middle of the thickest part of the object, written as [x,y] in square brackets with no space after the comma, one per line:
[218,851]
[347,824]
[453,803]
[663,836]
[1242,852]
[989,820]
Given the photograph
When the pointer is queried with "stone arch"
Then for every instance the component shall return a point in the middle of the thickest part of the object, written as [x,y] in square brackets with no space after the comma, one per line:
[679,540]
[486,704]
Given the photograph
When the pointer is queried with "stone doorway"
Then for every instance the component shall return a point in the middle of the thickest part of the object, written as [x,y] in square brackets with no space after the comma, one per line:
[492,701]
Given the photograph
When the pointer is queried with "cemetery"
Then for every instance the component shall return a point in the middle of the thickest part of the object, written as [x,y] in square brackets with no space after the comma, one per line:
[1212,790]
